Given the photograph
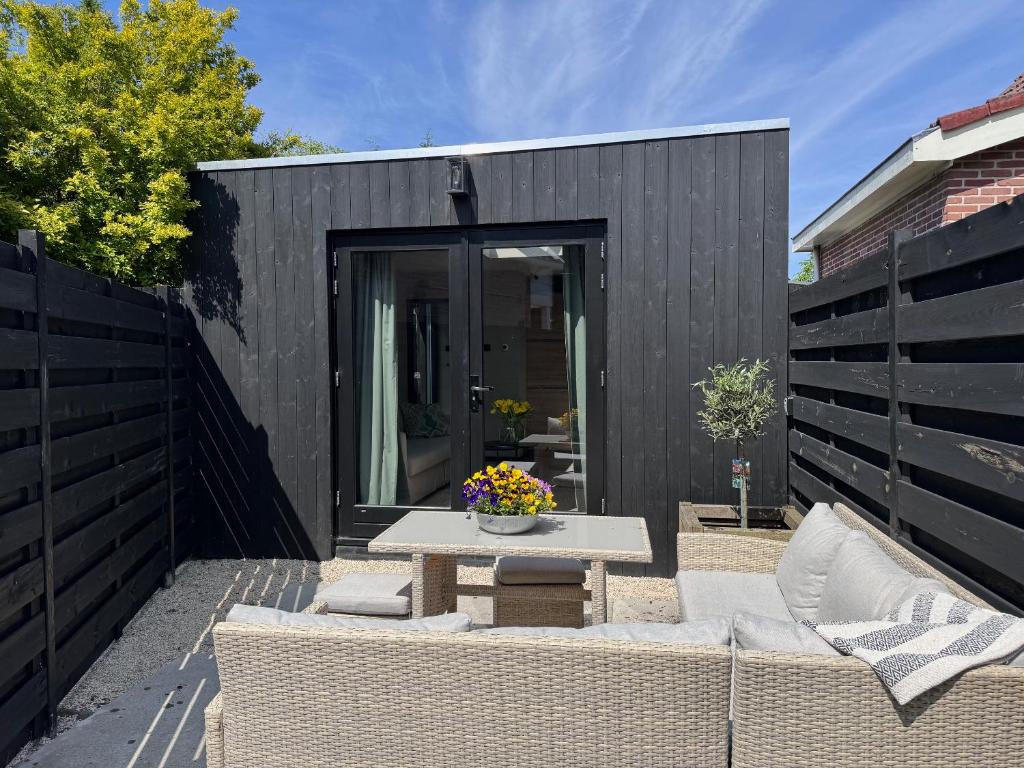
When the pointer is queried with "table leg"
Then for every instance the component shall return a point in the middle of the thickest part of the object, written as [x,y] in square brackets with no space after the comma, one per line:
[599,592]
[418,583]
[434,582]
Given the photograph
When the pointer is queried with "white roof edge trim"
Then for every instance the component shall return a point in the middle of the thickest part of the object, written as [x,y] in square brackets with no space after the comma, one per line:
[620,137]
[880,175]
[931,147]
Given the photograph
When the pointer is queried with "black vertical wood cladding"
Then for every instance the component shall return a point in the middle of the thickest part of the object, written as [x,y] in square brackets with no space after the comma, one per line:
[95,470]
[695,273]
[918,427]
[677,297]
[750,275]
[702,309]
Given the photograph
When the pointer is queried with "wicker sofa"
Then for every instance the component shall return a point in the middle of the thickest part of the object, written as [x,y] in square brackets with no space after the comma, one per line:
[303,696]
[812,710]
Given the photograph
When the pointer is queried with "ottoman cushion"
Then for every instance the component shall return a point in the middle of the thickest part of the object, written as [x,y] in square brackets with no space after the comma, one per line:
[514,569]
[370,594]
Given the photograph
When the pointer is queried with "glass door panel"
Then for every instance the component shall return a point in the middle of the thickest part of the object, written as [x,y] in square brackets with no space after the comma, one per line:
[402,378]
[534,361]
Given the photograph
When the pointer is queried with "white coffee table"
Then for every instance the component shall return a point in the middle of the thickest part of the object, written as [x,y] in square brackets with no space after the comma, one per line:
[435,538]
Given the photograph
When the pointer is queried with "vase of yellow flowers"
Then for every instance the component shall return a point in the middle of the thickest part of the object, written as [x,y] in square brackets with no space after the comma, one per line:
[513,415]
[506,500]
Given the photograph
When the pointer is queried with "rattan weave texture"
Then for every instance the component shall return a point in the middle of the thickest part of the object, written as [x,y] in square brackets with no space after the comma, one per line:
[817,711]
[299,696]
[538,605]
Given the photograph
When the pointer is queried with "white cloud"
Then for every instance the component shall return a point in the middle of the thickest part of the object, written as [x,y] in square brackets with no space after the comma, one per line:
[883,54]
[544,68]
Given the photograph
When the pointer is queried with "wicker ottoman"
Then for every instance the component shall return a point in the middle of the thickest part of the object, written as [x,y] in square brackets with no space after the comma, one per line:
[538,592]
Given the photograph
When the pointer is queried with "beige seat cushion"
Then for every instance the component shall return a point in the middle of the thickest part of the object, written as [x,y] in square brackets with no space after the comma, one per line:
[707,594]
[758,633]
[708,632]
[369,594]
[252,614]
[516,569]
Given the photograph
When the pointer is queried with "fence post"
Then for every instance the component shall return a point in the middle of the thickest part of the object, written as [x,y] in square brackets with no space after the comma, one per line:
[896,414]
[165,293]
[33,249]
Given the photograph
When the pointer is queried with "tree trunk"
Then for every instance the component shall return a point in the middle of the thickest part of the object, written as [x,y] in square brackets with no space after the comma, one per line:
[741,454]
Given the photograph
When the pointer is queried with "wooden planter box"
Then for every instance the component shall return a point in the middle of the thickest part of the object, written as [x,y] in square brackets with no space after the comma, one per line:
[766,522]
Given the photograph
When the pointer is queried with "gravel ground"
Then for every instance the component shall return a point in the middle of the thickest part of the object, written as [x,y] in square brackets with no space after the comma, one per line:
[178,620]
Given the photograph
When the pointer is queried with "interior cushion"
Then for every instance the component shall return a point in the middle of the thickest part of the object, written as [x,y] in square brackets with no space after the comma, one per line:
[252,614]
[424,420]
[710,594]
[758,633]
[422,453]
[707,632]
[555,426]
[374,594]
[863,583]
[517,569]
[807,558]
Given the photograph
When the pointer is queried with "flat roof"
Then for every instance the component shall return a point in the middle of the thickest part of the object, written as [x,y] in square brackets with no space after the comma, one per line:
[592,139]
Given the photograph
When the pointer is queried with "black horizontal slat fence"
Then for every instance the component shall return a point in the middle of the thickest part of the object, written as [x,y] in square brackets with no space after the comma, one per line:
[94,470]
[907,396]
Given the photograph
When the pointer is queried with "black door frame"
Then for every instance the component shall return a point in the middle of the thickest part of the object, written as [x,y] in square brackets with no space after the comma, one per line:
[355,523]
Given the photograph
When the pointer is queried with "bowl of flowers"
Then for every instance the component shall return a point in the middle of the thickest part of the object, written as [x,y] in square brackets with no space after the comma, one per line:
[506,500]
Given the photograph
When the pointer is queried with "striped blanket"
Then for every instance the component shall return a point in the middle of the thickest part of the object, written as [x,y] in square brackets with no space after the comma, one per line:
[925,641]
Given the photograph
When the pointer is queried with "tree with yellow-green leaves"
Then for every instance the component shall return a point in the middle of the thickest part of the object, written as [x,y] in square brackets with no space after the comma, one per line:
[101,118]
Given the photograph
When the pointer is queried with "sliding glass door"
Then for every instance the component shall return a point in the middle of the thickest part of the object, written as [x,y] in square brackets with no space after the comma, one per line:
[460,349]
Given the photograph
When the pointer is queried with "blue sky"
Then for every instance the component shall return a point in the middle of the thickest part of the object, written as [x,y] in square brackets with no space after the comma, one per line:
[855,78]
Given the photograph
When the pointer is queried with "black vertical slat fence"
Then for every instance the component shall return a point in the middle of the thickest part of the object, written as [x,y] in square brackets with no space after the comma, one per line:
[907,382]
[94,495]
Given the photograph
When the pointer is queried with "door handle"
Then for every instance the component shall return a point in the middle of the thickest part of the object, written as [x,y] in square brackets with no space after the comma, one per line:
[476,390]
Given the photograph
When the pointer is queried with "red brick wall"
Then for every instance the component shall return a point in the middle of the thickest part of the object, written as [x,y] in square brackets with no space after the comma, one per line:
[970,185]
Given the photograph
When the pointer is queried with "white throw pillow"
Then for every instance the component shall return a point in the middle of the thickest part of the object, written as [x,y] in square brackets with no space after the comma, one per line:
[921,584]
[807,559]
[863,583]
[759,633]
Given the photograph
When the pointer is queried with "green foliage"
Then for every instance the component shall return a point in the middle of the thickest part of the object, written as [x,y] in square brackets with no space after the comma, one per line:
[294,145]
[806,271]
[427,140]
[738,400]
[100,121]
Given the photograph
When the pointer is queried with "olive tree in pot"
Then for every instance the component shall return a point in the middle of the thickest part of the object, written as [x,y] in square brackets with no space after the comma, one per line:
[738,400]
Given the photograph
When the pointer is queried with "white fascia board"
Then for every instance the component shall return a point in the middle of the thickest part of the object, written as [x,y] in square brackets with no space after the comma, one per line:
[916,161]
[593,139]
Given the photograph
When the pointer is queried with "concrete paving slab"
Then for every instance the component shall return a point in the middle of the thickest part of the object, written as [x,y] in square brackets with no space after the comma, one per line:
[627,610]
[158,724]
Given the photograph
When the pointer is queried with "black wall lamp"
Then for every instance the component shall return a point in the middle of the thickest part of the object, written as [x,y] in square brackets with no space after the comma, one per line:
[458,176]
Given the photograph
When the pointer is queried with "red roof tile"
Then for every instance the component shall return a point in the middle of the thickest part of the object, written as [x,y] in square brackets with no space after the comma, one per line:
[1017,86]
[1011,98]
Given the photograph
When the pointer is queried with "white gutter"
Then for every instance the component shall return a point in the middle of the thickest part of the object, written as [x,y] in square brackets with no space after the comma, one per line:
[919,159]
[501,146]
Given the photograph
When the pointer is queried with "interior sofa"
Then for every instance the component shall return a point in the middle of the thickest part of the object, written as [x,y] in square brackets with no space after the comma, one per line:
[796,701]
[310,692]
[424,465]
